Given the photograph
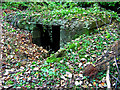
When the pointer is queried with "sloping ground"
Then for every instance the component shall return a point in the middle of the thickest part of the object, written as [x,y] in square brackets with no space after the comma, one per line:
[86,50]
[55,72]
[18,51]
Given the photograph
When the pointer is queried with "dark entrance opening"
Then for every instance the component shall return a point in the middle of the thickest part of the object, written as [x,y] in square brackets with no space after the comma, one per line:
[56,38]
[49,38]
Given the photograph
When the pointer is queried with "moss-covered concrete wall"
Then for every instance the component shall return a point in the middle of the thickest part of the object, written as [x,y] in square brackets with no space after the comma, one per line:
[69,29]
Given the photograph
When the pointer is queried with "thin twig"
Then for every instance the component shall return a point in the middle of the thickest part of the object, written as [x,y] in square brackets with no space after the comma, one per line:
[108,78]
[115,78]
[118,71]
[104,61]
[117,65]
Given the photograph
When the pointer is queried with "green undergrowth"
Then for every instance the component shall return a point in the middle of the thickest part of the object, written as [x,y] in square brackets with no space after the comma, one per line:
[73,46]
[53,59]
[84,45]
[85,48]
[56,14]
[74,52]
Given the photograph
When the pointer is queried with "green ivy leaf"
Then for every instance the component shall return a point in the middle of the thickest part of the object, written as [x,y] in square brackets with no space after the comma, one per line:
[33,63]
[9,82]
[16,50]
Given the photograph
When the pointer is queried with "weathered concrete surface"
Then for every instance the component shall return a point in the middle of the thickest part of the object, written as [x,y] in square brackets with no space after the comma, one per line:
[69,29]
[77,28]
[36,35]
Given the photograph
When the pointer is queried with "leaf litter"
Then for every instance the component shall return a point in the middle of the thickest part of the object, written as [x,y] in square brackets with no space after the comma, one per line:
[23,66]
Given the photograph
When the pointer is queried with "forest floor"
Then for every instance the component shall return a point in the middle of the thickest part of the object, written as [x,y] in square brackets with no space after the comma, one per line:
[25,65]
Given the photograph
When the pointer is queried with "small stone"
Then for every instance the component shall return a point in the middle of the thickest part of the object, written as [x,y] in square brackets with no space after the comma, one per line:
[61,61]
[88,63]
[0,85]
[80,64]
[67,63]
[105,85]
[86,55]
[75,75]
[77,39]
[7,78]
[76,83]
[68,74]
[94,55]
[10,56]
[84,86]
[103,79]
[83,59]
[28,72]
[87,82]
[105,51]
[81,75]
[80,43]
[104,43]
[80,72]
[2,41]
[77,79]
[57,85]
[23,62]
[94,46]
[85,65]
[5,87]
[29,78]
[17,78]
[111,52]
[113,84]
[100,86]
[116,72]
[90,85]
[62,83]
[18,87]
[114,64]
[22,67]
[6,73]
[63,77]
[36,68]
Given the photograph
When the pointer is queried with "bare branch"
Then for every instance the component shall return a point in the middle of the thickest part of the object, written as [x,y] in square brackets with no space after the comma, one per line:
[108,78]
